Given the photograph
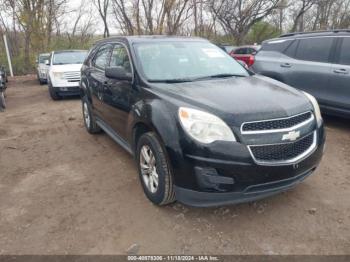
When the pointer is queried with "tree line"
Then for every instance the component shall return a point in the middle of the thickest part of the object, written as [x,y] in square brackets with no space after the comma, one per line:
[38,25]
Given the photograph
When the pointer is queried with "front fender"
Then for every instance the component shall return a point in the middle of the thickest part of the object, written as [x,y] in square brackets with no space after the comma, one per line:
[161,118]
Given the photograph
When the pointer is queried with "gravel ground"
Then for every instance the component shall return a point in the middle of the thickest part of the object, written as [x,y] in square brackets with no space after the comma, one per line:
[63,191]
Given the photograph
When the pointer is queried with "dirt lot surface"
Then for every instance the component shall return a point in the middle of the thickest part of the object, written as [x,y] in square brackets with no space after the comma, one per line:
[63,191]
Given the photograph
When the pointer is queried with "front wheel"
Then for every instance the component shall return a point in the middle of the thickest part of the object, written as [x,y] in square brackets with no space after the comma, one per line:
[53,93]
[154,170]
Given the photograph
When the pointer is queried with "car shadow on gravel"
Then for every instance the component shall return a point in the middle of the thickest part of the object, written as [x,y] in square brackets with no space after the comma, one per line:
[336,122]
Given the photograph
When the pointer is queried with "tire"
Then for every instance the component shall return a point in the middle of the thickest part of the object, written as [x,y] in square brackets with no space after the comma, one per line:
[53,94]
[41,82]
[163,193]
[2,101]
[89,118]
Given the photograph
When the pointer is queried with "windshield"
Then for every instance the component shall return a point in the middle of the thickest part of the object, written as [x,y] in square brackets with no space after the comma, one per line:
[185,61]
[42,58]
[71,57]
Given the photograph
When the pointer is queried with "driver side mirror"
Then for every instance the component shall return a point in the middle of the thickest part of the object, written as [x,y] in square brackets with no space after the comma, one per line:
[117,72]
[47,62]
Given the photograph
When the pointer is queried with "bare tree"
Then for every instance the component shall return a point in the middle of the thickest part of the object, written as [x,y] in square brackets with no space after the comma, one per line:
[54,10]
[238,16]
[299,8]
[151,16]
[103,9]
[82,29]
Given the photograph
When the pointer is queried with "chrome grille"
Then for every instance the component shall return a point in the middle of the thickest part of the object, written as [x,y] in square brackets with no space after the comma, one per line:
[276,124]
[72,76]
[284,153]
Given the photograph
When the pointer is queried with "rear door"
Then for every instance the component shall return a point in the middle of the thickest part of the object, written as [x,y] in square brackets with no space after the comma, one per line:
[311,70]
[97,78]
[338,94]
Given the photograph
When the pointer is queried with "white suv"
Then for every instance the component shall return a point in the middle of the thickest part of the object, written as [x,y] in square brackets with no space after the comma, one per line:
[42,67]
[64,72]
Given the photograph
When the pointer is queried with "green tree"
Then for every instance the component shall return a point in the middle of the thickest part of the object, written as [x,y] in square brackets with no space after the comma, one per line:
[261,31]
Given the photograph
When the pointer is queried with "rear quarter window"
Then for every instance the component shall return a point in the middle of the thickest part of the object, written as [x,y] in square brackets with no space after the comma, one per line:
[276,45]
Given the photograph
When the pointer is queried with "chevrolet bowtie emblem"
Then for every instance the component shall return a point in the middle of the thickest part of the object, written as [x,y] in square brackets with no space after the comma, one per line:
[291,136]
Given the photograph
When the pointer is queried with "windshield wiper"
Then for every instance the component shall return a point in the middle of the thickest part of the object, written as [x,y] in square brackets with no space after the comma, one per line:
[219,76]
[171,81]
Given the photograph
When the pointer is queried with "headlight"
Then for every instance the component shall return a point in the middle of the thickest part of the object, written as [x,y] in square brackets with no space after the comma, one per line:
[316,108]
[58,75]
[204,127]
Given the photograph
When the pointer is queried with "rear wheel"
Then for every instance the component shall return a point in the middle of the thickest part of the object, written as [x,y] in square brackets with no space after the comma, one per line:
[154,170]
[89,119]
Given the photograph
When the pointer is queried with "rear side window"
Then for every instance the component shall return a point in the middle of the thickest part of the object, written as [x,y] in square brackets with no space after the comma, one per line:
[344,58]
[314,49]
[101,58]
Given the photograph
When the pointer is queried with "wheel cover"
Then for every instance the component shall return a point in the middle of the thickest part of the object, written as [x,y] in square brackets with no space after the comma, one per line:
[86,115]
[149,169]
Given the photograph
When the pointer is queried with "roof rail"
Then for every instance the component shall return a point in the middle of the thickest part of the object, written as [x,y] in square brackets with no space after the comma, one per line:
[317,32]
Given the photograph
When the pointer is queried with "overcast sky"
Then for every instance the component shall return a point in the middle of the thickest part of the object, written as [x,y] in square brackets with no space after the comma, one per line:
[75,4]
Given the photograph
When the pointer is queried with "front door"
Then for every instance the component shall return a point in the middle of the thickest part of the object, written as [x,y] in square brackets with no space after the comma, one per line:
[116,94]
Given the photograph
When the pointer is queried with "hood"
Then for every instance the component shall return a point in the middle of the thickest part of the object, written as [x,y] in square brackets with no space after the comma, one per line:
[238,100]
[66,68]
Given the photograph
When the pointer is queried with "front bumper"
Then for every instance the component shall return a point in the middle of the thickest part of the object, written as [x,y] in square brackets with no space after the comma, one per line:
[233,177]
[67,91]
[251,193]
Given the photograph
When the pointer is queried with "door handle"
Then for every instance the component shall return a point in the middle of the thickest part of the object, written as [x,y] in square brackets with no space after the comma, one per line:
[341,71]
[286,65]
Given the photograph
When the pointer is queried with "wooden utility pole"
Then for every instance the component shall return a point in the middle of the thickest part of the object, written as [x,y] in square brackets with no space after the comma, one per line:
[8,55]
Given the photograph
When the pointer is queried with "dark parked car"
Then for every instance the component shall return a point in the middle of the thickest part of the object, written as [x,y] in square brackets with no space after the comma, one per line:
[316,62]
[3,85]
[3,73]
[203,129]
[245,53]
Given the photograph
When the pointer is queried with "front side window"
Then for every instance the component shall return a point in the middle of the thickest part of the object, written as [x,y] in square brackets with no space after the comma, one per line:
[69,57]
[344,58]
[314,49]
[120,58]
[185,60]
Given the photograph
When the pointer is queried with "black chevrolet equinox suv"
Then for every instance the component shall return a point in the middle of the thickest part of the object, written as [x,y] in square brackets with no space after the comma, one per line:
[203,129]
[315,62]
